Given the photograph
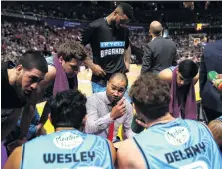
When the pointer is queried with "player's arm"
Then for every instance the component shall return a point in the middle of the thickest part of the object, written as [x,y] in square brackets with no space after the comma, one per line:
[87,35]
[113,151]
[14,160]
[48,80]
[127,54]
[166,75]
[126,154]
[124,157]
[27,115]
[86,39]
[26,118]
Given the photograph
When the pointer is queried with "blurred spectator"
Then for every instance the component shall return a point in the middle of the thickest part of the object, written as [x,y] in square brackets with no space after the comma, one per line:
[18,37]
[211,61]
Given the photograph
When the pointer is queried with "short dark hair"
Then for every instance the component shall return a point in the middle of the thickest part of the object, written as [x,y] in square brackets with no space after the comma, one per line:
[149,93]
[68,108]
[121,76]
[33,60]
[188,69]
[72,50]
[127,10]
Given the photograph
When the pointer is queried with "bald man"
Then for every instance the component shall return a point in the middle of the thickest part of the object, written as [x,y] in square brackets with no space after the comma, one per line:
[107,110]
[160,53]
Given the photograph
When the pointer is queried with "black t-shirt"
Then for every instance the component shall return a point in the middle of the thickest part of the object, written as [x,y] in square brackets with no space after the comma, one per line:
[108,44]
[10,98]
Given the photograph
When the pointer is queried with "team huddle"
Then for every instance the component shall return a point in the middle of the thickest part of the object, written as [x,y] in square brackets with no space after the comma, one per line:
[86,128]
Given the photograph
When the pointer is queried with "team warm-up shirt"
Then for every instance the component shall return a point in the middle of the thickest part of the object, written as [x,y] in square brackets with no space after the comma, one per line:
[10,98]
[67,149]
[108,45]
[179,144]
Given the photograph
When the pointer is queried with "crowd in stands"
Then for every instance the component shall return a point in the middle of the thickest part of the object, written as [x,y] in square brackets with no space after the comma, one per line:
[17,38]
[80,10]
[87,11]
[163,95]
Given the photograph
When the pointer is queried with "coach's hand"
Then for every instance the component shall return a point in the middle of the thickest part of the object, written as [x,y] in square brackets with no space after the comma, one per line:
[98,71]
[127,64]
[119,110]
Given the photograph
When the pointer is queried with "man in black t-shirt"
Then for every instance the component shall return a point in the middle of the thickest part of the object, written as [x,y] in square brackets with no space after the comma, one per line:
[62,75]
[109,40]
[20,84]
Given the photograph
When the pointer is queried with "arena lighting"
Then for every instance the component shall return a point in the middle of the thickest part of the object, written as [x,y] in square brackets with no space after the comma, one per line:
[199,26]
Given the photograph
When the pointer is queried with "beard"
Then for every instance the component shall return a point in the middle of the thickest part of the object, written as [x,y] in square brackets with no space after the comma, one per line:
[20,92]
[115,26]
[115,100]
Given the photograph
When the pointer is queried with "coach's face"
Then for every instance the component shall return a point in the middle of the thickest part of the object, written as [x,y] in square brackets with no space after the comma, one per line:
[70,67]
[116,88]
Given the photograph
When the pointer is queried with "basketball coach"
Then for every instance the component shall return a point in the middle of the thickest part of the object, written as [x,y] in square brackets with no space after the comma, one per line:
[160,53]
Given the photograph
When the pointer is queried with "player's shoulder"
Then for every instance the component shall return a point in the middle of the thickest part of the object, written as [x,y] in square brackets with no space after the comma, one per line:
[98,22]
[125,146]
[51,70]
[125,28]
[129,149]
[167,74]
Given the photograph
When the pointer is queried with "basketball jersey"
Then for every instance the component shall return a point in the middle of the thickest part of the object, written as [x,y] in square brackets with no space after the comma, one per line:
[68,149]
[180,144]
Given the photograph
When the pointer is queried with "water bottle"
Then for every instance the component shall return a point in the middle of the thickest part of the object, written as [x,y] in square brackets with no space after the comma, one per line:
[212,76]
